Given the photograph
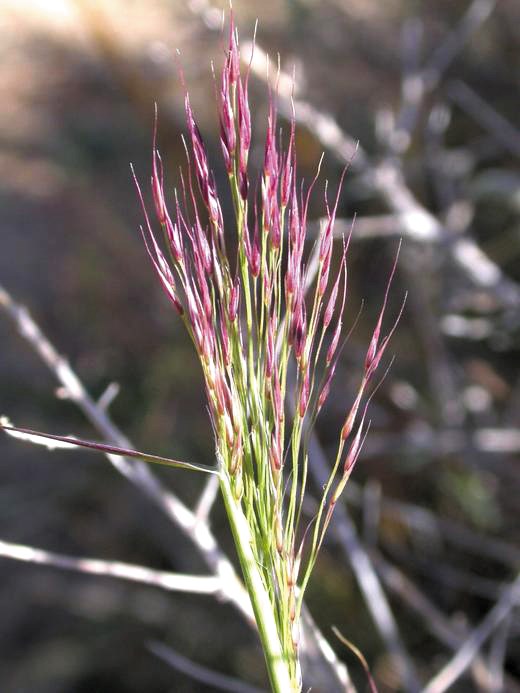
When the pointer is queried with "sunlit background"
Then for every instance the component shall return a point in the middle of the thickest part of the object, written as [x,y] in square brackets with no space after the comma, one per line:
[430,90]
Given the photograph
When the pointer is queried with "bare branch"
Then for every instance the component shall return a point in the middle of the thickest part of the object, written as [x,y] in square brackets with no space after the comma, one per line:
[497,655]
[426,522]
[474,17]
[176,582]
[198,672]
[452,634]
[318,650]
[502,130]
[460,662]
[419,81]
[207,499]
[108,396]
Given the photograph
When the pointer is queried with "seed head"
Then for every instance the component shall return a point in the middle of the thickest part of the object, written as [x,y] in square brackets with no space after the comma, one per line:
[251,316]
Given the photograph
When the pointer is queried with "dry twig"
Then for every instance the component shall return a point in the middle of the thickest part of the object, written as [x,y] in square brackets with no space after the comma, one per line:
[200,673]
[174,582]
[447,676]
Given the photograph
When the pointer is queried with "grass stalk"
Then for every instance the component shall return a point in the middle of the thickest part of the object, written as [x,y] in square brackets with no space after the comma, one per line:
[278,663]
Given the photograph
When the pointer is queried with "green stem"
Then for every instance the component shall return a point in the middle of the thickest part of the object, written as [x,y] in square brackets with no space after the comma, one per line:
[277,665]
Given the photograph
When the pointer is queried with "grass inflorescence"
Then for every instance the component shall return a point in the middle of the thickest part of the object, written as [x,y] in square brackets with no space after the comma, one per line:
[265,331]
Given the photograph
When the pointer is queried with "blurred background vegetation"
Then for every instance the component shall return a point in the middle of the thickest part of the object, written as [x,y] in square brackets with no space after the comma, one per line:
[435,494]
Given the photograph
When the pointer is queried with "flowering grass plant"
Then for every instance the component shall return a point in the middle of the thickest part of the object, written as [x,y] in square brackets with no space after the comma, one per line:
[268,333]
[249,320]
